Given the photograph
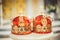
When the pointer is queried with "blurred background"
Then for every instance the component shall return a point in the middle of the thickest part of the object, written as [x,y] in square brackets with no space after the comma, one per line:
[12,8]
